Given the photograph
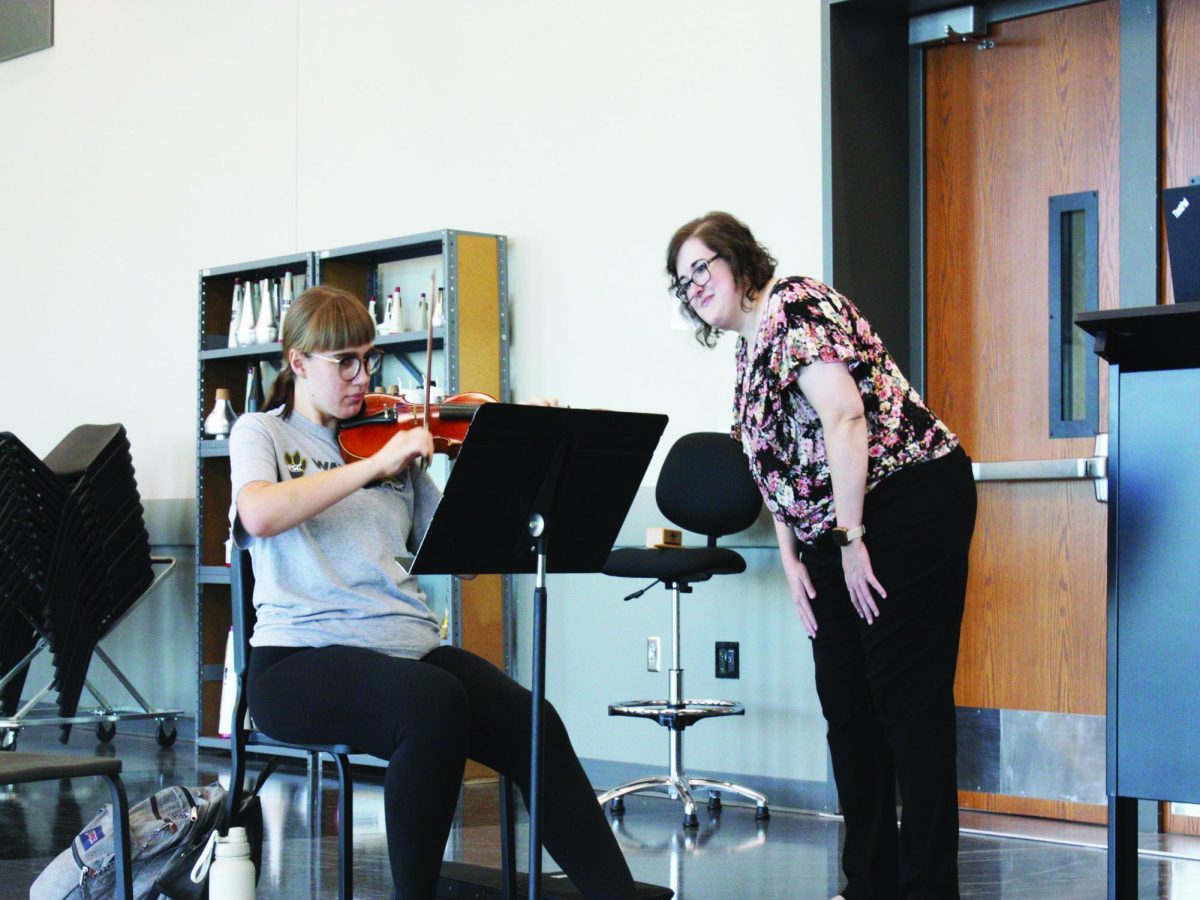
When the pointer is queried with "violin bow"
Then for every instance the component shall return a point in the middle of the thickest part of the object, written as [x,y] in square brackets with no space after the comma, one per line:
[428,373]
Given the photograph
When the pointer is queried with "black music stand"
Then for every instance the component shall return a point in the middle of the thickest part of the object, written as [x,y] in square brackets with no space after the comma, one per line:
[534,490]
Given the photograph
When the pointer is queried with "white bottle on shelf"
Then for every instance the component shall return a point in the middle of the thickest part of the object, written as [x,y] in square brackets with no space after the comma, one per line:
[265,329]
[285,299]
[235,312]
[218,422]
[439,310]
[245,329]
[396,318]
[371,311]
[423,314]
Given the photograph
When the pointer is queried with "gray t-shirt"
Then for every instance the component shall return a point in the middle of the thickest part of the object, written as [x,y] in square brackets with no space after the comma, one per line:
[333,579]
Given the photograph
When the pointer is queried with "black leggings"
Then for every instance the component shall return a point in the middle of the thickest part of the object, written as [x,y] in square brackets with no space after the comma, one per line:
[887,689]
[426,717]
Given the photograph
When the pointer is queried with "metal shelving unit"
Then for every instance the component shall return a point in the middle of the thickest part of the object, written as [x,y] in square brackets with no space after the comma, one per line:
[471,353]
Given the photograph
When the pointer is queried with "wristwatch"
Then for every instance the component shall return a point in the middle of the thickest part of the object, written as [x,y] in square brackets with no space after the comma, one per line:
[844,536]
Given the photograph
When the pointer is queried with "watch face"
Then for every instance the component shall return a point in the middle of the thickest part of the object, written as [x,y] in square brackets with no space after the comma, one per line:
[844,536]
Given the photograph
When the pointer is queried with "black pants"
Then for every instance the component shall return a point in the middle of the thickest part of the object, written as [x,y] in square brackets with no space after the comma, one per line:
[887,689]
[426,717]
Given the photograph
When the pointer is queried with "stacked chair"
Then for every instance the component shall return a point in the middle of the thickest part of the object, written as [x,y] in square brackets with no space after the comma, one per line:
[31,501]
[74,554]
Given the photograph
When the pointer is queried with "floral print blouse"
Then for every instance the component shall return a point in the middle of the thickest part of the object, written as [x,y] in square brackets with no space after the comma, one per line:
[780,432]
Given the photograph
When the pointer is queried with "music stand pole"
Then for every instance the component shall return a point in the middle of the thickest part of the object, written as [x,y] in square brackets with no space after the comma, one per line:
[537,530]
[525,474]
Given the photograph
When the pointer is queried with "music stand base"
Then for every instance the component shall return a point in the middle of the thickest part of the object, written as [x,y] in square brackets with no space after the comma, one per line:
[463,881]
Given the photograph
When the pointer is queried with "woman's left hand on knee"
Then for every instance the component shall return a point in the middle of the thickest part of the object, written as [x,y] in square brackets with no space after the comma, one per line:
[860,580]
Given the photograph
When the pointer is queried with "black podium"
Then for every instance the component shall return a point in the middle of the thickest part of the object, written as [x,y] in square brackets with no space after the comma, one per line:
[1153,706]
[535,490]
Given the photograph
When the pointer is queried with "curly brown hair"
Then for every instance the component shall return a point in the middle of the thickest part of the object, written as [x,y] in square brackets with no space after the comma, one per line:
[751,263]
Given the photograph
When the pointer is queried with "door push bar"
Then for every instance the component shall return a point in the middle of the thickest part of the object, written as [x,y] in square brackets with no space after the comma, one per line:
[1090,468]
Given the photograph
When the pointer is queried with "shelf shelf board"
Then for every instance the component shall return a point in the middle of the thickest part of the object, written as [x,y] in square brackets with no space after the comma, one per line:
[410,340]
[260,268]
[415,246]
[212,574]
[404,340]
[214,447]
[216,349]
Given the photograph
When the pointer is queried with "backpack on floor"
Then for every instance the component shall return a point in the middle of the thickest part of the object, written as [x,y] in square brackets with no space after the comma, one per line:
[158,827]
[168,832]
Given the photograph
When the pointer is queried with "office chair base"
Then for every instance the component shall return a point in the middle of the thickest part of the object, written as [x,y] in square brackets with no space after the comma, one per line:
[680,787]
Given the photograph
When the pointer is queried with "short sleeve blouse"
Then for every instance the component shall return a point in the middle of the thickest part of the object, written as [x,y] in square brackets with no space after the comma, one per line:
[806,321]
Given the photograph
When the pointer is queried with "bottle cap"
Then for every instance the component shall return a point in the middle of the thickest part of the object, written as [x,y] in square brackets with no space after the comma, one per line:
[223,394]
[236,843]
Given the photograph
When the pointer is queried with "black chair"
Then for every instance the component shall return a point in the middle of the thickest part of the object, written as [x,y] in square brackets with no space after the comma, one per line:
[21,768]
[242,607]
[705,487]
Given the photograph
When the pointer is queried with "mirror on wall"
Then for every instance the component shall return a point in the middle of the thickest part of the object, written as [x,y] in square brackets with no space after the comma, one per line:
[26,26]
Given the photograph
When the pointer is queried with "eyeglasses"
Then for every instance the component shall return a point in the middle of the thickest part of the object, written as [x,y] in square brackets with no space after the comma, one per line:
[700,277]
[350,366]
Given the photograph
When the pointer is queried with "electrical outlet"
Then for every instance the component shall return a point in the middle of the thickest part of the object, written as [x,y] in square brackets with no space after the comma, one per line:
[653,654]
[728,659]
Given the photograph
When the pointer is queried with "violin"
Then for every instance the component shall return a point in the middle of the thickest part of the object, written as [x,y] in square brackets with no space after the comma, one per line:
[384,415]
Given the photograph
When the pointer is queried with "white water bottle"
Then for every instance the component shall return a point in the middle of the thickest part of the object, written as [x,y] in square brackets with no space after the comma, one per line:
[231,875]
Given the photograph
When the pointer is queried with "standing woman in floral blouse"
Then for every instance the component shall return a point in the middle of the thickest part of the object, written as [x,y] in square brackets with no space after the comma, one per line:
[874,507]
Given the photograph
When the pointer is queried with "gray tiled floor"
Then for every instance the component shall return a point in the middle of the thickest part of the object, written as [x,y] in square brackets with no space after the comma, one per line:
[793,856]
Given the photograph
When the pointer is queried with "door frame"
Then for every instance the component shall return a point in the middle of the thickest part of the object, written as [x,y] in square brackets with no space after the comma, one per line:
[873,97]
[874,228]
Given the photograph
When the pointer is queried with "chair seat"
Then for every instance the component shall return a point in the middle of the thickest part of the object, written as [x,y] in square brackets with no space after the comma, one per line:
[258,738]
[677,717]
[19,768]
[682,564]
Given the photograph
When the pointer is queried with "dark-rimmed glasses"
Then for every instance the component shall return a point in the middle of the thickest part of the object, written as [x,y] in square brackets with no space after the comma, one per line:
[350,366]
[700,276]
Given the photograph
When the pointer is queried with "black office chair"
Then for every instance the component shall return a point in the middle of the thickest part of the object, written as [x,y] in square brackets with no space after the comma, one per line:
[242,607]
[705,487]
[20,768]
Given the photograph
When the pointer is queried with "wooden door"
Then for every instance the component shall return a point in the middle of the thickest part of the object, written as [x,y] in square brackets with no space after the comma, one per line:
[1006,129]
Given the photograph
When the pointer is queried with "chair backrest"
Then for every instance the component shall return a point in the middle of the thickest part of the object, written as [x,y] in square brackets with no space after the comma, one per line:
[705,485]
[241,583]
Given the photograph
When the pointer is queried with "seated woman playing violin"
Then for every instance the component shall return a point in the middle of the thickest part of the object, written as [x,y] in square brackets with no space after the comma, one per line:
[346,648]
